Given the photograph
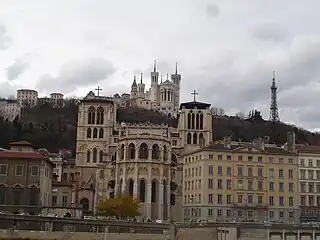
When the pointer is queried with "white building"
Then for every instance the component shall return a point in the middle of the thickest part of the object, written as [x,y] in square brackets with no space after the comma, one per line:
[163,96]
[27,97]
[9,109]
[56,99]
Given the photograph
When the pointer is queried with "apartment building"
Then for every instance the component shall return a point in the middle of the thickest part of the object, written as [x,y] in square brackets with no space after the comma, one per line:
[25,179]
[241,181]
[309,181]
[27,97]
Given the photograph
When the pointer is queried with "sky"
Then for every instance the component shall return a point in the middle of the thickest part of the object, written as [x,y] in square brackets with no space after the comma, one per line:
[226,50]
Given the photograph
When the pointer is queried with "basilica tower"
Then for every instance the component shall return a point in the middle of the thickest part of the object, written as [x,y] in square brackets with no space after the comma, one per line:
[154,90]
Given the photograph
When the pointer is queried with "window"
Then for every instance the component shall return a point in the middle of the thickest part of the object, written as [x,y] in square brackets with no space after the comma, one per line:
[210,198]
[229,171]
[228,199]
[260,200]
[34,170]
[219,199]
[239,158]
[210,212]
[290,187]
[219,184]
[19,170]
[54,200]
[250,172]
[271,173]
[64,200]
[219,170]
[260,172]
[290,201]
[271,200]
[250,199]
[281,202]
[239,198]
[260,185]
[281,187]
[211,170]
[210,183]
[240,172]
[271,186]
[228,157]
[3,169]
[280,173]
[259,159]
[290,173]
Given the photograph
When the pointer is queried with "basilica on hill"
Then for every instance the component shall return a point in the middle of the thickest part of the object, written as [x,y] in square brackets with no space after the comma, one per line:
[143,160]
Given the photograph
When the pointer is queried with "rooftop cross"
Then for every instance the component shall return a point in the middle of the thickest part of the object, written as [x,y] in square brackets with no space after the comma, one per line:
[194,93]
[98,89]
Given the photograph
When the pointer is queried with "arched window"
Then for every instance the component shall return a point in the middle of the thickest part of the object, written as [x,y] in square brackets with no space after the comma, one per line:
[88,156]
[101,156]
[94,155]
[131,151]
[195,138]
[143,151]
[201,120]
[197,120]
[165,153]
[142,192]
[85,204]
[100,114]
[89,133]
[91,115]
[201,140]
[95,133]
[189,138]
[154,191]
[100,133]
[122,152]
[189,120]
[192,120]
[131,187]
[155,151]
[172,199]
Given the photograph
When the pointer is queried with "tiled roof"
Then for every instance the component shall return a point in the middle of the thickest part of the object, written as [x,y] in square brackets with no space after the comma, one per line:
[21,155]
[309,149]
[24,143]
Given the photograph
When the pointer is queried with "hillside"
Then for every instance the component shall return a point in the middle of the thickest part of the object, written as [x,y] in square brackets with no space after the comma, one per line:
[54,129]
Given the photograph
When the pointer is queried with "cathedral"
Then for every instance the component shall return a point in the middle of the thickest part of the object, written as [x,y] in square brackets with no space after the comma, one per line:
[142,160]
[163,96]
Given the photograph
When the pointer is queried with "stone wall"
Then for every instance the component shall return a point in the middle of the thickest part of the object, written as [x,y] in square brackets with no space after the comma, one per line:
[39,235]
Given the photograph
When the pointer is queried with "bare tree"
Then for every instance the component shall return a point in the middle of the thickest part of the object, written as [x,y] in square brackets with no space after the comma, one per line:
[240,115]
[217,111]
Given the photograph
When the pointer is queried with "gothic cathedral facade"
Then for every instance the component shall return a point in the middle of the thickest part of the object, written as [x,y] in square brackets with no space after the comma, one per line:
[141,160]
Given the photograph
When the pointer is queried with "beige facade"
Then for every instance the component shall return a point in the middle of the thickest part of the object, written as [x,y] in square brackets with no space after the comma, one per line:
[309,181]
[9,109]
[26,178]
[228,181]
[27,97]
[142,160]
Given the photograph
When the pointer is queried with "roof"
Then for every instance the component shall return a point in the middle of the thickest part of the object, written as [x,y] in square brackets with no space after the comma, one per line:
[96,99]
[194,104]
[309,149]
[26,90]
[21,143]
[56,94]
[220,147]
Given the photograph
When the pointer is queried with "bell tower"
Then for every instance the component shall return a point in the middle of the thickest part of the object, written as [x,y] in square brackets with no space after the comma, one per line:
[195,124]
[154,83]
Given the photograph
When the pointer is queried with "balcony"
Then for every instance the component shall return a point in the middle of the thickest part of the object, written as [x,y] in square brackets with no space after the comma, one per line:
[250,205]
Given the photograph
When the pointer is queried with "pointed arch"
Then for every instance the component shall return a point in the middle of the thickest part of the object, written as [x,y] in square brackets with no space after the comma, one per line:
[131,151]
[201,139]
[100,156]
[88,156]
[100,115]
[195,138]
[155,152]
[89,132]
[101,133]
[142,190]
[94,155]
[122,152]
[131,185]
[192,120]
[165,153]
[197,120]
[201,120]
[189,138]
[174,161]
[143,151]
[189,120]
[154,189]
[95,133]
[91,115]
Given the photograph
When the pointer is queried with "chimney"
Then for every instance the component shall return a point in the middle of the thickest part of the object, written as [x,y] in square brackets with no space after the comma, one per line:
[227,142]
[291,142]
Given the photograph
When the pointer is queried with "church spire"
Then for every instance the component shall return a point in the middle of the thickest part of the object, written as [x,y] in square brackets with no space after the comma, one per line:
[176,68]
[141,77]
[155,66]
[161,78]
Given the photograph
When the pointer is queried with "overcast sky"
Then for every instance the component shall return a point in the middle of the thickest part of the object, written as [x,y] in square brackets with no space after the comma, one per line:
[227,50]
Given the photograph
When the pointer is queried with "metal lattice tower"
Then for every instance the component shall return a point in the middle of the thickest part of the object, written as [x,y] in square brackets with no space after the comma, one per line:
[274,115]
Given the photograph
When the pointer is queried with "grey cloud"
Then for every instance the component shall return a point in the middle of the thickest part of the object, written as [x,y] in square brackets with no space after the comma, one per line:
[16,69]
[4,39]
[7,89]
[212,10]
[270,31]
[77,74]
[298,81]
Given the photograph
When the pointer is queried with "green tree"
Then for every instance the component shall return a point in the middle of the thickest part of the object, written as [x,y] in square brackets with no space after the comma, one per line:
[120,206]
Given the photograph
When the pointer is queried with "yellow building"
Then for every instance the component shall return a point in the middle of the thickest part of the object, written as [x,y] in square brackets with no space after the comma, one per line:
[238,181]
